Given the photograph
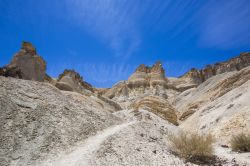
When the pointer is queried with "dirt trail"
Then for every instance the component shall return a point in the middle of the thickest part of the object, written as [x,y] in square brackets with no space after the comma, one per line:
[82,154]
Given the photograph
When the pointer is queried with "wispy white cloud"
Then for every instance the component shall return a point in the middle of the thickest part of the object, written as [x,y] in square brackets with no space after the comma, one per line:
[110,73]
[225,24]
[109,21]
[99,74]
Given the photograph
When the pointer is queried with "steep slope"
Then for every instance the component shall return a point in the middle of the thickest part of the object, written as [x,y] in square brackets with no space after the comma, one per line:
[41,125]
[220,105]
[142,143]
[37,119]
[139,141]
[82,154]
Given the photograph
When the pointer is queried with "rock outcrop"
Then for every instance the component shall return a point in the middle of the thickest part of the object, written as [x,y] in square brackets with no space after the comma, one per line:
[196,76]
[145,76]
[70,80]
[144,81]
[26,64]
[219,106]
[157,105]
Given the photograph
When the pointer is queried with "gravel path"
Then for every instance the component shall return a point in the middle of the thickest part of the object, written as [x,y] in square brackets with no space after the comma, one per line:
[82,154]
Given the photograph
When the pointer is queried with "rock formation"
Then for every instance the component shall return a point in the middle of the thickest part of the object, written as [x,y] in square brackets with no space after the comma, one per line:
[220,105]
[26,64]
[157,105]
[235,64]
[145,76]
[70,80]
[144,81]
[66,121]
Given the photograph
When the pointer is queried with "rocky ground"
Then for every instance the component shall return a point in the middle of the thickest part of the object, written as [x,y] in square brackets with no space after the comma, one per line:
[37,119]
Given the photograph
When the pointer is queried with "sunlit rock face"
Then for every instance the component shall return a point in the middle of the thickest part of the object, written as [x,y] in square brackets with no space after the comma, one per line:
[196,76]
[38,120]
[157,105]
[140,77]
[144,81]
[70,80]
[233,64]
[193,76]
[148,76]
[26,64]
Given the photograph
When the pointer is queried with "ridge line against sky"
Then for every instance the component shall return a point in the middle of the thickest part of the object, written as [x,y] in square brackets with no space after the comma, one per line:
[105,40]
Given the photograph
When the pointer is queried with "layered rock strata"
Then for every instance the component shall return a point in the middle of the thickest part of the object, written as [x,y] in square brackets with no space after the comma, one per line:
[157,105]
[144,81]
[148,76]
[235,64]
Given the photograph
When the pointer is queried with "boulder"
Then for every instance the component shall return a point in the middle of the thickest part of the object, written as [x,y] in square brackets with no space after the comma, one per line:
[70,80]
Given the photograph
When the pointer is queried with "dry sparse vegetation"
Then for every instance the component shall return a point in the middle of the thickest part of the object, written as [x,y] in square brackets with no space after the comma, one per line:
[193,147]
[241,142]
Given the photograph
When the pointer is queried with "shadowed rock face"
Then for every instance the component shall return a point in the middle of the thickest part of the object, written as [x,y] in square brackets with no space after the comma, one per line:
[198,76]
[26,64]
[70,80]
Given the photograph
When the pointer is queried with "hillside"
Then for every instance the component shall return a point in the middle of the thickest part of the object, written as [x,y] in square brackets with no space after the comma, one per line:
[67,121]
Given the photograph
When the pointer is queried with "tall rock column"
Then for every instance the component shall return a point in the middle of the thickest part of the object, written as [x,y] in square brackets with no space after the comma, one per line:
[157,75]
[26,64]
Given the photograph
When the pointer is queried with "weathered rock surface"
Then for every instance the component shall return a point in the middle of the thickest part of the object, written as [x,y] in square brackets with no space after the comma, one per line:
[141,143]
[219,105]
[157,105]
[37,120]
[148,76]
[26,64]
[235,64]
[143,82]
[70,80]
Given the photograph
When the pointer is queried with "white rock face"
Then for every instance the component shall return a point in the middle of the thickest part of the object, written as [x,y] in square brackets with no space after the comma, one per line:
[220,105]
[37,119]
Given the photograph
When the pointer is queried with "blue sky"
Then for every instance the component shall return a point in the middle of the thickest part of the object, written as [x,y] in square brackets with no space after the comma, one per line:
[105,40]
